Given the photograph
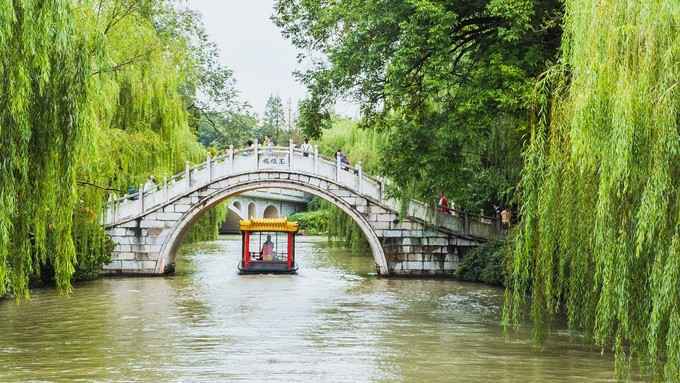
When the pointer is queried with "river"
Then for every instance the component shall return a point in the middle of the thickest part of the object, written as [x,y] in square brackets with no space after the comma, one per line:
[333,322]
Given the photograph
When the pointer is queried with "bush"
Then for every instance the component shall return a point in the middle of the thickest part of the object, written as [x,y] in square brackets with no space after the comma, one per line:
[486,264]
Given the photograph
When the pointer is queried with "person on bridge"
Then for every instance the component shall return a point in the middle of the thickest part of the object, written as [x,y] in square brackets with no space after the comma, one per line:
[269,145]
[342,160]
[150,184]
[267,252]
[306,148]
[345,161]
[443,203]
[506,218]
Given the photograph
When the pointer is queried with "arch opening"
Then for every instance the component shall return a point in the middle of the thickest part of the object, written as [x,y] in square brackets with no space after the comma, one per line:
[271,212]
[231,223]
[252,210]
[173,241]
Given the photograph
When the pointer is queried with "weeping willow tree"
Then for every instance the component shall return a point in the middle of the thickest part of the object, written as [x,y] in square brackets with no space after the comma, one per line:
[44,69]
[137,103]
[137,111]
[342,228]
[96,96]
[207,228]
[600,193]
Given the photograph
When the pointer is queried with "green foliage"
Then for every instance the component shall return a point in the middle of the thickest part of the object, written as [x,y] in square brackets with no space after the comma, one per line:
[342,228]
[487,264]
[357,143]
[221,129]
[313,222]
[323,217]
[273,121]
[447,82]
[44,69]
[360,145]
[207,227]
[600,231]
[93,245]
[96,97]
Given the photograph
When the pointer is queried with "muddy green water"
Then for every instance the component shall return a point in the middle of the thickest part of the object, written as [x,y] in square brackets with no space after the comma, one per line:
[333,322]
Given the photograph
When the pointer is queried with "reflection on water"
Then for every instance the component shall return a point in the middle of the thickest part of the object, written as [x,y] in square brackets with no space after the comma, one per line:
[334,322]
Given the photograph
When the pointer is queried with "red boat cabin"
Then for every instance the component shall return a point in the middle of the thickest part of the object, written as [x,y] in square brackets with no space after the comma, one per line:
[268,246]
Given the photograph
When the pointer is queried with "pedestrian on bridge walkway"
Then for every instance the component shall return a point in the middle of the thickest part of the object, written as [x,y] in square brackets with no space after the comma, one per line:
[150,184]
[306,148]
[269,145]
[506,219]
[443,203]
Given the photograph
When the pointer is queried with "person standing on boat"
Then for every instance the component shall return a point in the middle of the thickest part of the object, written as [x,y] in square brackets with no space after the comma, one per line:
[267,252]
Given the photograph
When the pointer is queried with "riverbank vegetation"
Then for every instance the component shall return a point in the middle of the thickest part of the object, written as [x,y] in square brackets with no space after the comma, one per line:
[600,235]
[566,111]
[324,218]
[96,96]
[361,146]
[486,264]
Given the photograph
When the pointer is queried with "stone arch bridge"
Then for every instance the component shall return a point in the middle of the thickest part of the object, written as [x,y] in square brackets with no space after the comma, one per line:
[147,227]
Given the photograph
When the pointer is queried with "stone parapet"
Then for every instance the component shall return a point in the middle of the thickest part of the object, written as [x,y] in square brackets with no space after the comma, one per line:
[147,230]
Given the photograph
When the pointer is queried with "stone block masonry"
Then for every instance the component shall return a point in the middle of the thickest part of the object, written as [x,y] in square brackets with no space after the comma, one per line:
[146,237]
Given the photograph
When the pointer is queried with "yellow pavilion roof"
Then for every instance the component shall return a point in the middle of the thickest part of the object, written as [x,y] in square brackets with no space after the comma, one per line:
[269,224]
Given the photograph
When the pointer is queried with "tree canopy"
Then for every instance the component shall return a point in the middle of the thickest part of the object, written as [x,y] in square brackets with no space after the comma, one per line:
[96,96]
[448,82]
[569,106]
[274,118]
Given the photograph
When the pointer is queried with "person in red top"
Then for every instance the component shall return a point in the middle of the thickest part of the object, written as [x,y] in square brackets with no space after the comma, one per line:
[443,203]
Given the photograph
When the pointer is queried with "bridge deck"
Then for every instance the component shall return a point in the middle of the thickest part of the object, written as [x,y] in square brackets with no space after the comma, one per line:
[287,160]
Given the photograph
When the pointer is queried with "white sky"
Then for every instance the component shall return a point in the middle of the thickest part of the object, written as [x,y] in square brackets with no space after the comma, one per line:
[252,46]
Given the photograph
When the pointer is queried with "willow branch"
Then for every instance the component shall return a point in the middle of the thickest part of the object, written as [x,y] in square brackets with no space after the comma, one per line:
[125,63]
[86,183]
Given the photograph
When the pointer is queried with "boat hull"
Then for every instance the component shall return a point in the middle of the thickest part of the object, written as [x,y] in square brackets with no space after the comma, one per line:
[266,268]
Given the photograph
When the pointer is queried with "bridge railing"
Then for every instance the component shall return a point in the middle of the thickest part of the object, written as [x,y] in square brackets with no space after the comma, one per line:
[235,161]
[259,158]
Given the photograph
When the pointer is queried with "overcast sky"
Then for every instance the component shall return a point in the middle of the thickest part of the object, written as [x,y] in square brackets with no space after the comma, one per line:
[252,46]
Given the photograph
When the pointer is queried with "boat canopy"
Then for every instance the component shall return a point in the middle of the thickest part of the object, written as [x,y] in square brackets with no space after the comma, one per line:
[269,225]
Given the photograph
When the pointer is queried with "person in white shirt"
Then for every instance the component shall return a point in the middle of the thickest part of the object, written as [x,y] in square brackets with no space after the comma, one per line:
[150,184]
[269,145]
[306,148]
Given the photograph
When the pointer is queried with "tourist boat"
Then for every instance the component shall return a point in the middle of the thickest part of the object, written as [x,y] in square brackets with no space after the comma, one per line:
[268,246]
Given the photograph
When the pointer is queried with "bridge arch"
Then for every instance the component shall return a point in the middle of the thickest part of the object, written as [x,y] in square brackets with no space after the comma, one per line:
[170,246]
[237,205]
[147,227]
[270,211]
[236,208]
